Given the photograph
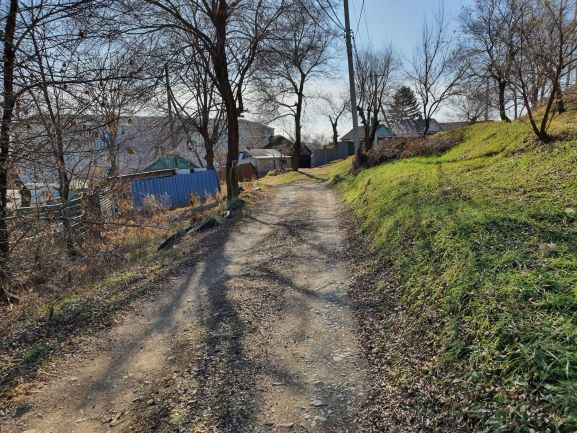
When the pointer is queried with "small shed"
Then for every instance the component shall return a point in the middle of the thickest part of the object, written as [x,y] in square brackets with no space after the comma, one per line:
[265,160]
[245,172]
[286,147]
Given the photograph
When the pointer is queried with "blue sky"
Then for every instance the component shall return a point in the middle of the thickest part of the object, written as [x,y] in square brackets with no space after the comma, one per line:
[383,21]
[398,21]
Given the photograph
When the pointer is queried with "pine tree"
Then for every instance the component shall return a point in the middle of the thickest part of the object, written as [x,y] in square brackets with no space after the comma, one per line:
[404,106]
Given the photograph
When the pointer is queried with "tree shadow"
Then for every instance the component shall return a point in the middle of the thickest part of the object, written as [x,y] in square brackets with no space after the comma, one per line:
[312,176]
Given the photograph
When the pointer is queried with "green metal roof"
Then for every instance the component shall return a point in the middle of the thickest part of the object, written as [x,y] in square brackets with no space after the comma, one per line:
[170,161]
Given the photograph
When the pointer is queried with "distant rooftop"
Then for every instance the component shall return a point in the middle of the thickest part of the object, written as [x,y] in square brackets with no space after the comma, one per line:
[170,162]
[382,132]
[265,153]
[414,127]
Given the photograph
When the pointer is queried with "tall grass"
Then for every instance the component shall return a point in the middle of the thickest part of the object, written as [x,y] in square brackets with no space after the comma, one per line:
[484,241]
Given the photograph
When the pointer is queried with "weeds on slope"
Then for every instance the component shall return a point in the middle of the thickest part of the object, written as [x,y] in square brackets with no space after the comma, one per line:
[483,242]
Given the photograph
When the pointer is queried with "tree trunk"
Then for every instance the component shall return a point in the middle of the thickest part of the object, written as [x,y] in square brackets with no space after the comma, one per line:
[298,136]
[7,113]
[373,126]
[172,130]
[502,108]
[365,126]
[486,110]
[220,64]
[64,191]
[427,125]
[366,136]
[232,189]
[25,194]
[554,97]
[298,126]
[334,125]
[515,104]
[526,95]
[297,146]
[560,102]
[209,153]
[112,154]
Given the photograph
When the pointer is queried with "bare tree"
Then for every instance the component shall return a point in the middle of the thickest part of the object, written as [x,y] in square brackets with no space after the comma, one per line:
[545,38]
[120,89]
[375,69]
[9,102]
[470,100]
[301,53]
[197,104]
[20,18]
[335,108]
[58,112]
[437,66]
[230,34]
[489,46]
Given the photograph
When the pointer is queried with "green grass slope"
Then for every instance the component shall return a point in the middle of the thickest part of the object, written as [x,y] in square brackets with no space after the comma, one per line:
[483,240]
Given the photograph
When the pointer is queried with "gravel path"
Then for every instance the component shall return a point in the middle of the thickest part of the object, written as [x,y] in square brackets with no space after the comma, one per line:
[258,336]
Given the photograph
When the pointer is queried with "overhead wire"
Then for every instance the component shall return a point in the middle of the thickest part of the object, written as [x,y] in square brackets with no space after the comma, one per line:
[365,19]
[336,22]
[360,16]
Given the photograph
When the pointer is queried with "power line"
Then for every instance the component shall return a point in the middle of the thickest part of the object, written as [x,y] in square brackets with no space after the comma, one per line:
[337,22]
[360,16]
[315,19]
[366,23]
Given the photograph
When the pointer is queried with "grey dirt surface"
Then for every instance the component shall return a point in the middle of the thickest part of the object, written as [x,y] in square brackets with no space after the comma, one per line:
[257,335]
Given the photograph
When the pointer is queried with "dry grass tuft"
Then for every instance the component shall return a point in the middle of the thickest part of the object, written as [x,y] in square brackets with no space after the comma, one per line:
[392,149]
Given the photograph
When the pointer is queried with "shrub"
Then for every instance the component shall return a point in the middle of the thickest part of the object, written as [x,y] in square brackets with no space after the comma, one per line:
[195,200]
[392,149]
[152,205]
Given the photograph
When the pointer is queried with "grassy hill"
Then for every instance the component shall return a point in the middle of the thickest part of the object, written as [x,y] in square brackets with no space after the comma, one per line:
[483,243]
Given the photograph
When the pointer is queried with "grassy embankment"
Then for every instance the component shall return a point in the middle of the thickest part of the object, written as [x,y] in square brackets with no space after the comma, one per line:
[483,240]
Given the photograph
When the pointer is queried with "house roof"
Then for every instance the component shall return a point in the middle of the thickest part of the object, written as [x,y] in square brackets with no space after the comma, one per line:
[171,161]
[349,136]
[278,140]
[280,143]
[285,145]
[412,127]
[451,126]
[264,153]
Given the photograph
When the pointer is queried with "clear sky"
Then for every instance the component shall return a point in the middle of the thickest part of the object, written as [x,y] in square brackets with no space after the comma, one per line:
[382,21]
[398,21]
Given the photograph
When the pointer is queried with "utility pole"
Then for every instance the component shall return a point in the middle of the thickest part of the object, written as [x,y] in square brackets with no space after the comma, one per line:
[570,69]
[352,84]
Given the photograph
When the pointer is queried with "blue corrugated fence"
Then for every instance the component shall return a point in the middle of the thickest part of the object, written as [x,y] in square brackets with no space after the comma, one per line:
[176,189]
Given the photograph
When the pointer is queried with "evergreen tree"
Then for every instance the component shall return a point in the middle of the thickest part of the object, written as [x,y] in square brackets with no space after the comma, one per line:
[404,106]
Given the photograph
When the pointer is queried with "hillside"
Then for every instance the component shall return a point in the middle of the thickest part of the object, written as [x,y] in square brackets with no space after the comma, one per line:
[477,266]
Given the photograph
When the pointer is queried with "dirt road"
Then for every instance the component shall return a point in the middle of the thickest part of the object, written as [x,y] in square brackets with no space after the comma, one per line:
[258,336]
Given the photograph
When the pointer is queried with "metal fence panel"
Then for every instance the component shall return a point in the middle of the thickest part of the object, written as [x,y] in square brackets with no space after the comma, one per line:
[324,156]
[177,189]
[29,222]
